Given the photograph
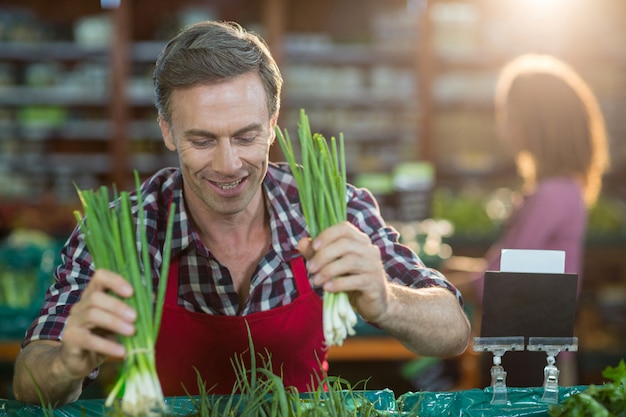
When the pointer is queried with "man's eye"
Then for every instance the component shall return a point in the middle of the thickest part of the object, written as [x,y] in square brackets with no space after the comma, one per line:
[245,139]
[202,143]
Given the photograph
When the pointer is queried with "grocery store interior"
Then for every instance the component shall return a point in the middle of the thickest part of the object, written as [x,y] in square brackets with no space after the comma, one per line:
[410,84]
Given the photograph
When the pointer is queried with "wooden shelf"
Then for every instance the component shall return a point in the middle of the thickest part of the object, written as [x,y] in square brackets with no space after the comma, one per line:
[363,55]
[145,52]
[9,350]
[81,130]
[362,348]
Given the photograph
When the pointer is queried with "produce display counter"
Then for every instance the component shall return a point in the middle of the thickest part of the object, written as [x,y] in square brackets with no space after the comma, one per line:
[353,349]
[523,402]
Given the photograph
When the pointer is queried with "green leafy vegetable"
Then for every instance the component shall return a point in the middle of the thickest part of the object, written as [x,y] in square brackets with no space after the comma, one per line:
[321,180]
[607,400]
[112,239]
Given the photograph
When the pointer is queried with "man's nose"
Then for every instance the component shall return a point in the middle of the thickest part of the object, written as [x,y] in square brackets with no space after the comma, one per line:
[227,158]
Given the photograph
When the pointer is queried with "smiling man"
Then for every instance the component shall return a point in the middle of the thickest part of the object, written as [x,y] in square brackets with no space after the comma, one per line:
[241,257]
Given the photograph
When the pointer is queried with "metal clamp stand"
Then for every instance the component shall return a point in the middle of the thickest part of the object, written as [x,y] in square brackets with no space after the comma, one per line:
[498,346]
[552,346]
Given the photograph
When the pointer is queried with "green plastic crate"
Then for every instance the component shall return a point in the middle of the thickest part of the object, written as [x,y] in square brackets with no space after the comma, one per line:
[25,275]
[382,400]
[523,402]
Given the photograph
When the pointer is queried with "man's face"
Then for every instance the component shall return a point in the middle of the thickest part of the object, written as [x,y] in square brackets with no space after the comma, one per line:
[222,133]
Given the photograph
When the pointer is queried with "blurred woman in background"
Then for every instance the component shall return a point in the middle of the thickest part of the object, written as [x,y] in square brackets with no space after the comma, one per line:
[551,121]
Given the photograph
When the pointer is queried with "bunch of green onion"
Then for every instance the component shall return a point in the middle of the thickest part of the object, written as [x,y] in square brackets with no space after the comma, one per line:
[112,239]
[258,391]
[321,180]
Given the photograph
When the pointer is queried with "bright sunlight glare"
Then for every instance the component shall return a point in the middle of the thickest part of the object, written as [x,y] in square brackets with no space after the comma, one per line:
[539,8]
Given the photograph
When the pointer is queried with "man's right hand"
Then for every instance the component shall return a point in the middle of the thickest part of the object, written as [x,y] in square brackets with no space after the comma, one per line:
[95,320]
[57,369]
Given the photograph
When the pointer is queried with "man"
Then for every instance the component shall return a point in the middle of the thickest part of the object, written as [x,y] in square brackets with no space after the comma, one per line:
[238,249]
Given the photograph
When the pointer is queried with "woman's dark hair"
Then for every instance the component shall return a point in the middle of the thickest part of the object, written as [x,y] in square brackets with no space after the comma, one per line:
[553,122]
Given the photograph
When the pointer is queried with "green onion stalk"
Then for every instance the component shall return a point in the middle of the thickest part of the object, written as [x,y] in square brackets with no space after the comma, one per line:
[321,181]
[112,239]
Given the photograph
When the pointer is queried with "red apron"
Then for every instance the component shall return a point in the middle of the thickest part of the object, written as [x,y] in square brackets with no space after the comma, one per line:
[292,333]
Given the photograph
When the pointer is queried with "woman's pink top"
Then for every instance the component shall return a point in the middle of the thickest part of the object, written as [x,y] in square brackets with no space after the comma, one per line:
[554,217]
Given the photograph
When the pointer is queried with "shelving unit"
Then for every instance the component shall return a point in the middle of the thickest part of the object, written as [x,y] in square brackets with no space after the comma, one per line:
[427,101]
[368,93]
[468,41]
[62,127]
[102,122]
[457,101]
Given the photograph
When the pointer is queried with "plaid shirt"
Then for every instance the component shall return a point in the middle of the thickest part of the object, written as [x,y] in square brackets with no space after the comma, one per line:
[204,284]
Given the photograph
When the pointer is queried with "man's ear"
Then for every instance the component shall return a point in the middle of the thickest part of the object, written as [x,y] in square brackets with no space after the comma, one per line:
[166,132]
[273,124]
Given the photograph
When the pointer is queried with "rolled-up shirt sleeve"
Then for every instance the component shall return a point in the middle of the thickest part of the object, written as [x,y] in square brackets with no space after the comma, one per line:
[402,264]
[70,279]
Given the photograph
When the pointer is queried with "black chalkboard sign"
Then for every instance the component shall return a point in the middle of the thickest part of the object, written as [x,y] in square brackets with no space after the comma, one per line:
[528,304]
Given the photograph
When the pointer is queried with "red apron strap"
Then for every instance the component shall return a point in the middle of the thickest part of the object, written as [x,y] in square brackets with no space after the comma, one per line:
[300,275]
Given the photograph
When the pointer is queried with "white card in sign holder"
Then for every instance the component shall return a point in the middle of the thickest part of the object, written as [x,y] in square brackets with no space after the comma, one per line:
[530,296]
[533,261]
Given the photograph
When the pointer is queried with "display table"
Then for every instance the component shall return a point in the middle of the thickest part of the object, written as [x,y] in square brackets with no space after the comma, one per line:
[353,349]
[524,402]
